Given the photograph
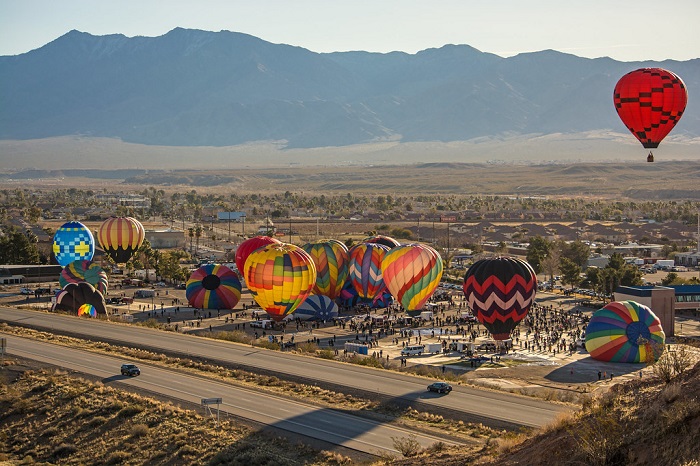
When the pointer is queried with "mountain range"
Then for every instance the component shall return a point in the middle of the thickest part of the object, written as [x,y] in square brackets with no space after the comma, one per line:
[198,88]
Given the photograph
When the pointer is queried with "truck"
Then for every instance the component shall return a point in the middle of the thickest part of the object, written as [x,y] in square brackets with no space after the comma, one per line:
[664,264]
[426,315]
[433,348]
[144,293]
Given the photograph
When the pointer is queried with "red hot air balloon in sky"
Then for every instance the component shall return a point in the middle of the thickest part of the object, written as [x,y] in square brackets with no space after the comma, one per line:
[650,101]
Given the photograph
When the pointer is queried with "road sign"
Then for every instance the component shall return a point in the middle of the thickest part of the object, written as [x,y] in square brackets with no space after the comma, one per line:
[211,401]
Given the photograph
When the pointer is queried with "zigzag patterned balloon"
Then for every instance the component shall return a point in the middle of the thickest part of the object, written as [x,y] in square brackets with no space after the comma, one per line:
[365,269]
[331,260]
[412,273]
[500,291]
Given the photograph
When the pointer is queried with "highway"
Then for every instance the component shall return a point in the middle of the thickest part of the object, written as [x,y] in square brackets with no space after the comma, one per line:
[498,409]
[325,424]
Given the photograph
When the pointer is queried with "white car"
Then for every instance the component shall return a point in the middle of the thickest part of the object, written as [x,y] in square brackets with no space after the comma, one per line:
[25,291]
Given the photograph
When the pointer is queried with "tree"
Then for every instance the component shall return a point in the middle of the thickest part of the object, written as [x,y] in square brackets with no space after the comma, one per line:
[570,272]
[550,262]
[18,248]
[577,251]
[537,250]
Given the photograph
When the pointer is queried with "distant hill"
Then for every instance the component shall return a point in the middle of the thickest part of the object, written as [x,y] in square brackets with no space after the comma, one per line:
[198,88]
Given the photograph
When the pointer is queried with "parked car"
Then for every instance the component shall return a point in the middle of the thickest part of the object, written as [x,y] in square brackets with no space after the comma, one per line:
[25,291]
[487,347]
[413,350]
[130,370]
[440,387]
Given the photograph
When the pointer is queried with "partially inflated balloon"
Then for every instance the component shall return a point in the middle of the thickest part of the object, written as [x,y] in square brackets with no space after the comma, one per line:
[121,237]
[331,260]
[625,331]
[74,295]
[250,245]
[73,241]
[87,310]
[317,307]
[280,277]
[412,273]
[500,291]
[84,271]
[387,241]
[213,286]
[365,269]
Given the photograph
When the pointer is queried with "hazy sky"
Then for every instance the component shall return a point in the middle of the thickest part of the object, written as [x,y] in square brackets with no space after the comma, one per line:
[621,29]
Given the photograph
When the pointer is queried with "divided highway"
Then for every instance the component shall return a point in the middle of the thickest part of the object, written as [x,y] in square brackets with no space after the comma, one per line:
[490,407]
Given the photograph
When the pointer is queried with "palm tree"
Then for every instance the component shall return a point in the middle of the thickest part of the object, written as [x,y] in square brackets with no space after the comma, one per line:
[197,234]
[190,233]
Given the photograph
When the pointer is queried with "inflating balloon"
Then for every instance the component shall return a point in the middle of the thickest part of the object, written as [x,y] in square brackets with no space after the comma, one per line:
[121,237]
[213,286]
[250,245]
[74,295]
[73,241]
[331,260]
[280,277]
[387,241]
[500,291]
[349,298]
[317,307]
[365,269]
[87,310]
[625,331]
[412,273]
[650,101]
[84,271]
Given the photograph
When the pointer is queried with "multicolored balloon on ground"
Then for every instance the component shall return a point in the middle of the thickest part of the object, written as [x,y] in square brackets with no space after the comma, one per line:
[650,101]
[84,271]
[87,310]
[625,331]
[250,245]
[73,241]
[331,260]
[387,241]
[349,298]
[121,237]
[412,273]
[365,269]
[74,295]
[280,277]
[500,291]
[213,286]
[317,307]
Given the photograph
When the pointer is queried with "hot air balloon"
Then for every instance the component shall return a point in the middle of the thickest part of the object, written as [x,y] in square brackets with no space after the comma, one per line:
[412,273]
[250,245]
[74,295]
[387,241]
[73,241]
[280,277]
[500,291]
[331,260]
[213,286]
[317,307]
[84,271]
[650,101]
[349,298]
[365,269]
[87,310]
[121,237]
[625,331]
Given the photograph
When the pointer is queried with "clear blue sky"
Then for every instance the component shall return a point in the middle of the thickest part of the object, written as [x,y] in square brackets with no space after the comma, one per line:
[621,29]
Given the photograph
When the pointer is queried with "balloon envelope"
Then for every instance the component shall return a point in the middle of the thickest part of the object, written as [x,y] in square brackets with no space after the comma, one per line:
[280,277]
[331,260]
[349,298]
[87,310]
[74,295]
[213,286]
[412,273]
[84,271]
[250,245]
[365,269]
[650,101]
[120,237]
[625,331]
[317,307]
[500,291]
[387,241]
[73,241]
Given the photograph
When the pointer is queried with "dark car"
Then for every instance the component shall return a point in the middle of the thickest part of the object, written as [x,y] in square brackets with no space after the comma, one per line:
[440,387]
[130,370]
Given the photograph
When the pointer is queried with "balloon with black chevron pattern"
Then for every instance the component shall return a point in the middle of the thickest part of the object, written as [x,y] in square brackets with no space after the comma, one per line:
[500,291]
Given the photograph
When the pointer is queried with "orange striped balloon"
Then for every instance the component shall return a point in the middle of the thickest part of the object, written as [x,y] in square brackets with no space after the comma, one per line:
[280,277]
[412,273]
[120,237]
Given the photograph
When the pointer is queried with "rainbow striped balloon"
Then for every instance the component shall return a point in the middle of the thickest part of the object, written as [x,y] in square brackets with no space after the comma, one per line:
[412,273]
[331,260]
[213,286]
[280,277]
[500,290]
[88,310]
[365,269]
[84,271]
[625,331]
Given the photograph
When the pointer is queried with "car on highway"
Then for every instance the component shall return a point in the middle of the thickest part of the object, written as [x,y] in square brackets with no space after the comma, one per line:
[130,370]
[440,387]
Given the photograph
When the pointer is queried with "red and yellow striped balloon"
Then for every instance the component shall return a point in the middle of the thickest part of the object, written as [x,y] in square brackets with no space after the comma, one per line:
[280,277]
[331,260]
[120,237]
[412,273]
